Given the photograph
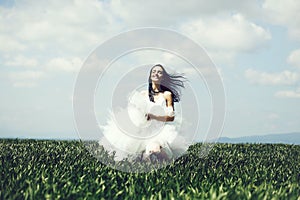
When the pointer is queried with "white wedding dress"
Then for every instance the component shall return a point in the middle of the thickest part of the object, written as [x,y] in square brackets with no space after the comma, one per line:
[128,133]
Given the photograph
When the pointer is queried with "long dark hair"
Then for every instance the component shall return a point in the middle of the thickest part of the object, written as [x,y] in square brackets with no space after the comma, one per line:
[169,82]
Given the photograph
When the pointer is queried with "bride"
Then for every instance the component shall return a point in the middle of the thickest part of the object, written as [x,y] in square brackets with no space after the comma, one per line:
[146,129]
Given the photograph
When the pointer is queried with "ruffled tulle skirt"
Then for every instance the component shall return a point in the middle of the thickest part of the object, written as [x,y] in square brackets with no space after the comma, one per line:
[128,133]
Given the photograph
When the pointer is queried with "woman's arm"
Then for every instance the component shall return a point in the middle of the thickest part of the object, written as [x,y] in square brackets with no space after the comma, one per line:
[169,104]
[161,118]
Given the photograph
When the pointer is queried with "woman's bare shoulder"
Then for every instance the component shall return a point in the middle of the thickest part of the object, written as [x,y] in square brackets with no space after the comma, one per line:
[167,94]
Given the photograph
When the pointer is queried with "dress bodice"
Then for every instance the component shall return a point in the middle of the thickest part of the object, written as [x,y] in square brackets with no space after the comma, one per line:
[159,107]
[142,103]
[160,100]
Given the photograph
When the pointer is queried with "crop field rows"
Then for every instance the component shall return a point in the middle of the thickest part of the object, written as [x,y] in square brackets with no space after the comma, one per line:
[48,169]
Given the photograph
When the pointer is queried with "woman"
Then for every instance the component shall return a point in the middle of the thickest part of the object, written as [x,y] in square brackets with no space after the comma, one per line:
[162,85]
[151,130]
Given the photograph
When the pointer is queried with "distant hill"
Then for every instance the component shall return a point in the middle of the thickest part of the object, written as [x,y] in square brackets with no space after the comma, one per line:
[285,138]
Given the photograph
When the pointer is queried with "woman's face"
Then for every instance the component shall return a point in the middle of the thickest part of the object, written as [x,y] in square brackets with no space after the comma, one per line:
[157,74]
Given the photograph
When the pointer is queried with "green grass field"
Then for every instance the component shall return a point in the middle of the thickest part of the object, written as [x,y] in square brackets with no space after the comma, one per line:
[37,169]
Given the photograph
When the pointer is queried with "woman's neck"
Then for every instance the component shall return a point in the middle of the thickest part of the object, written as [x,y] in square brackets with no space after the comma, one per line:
[155,87]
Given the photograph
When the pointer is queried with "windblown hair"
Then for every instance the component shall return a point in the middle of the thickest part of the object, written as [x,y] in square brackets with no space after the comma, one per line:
[170,82]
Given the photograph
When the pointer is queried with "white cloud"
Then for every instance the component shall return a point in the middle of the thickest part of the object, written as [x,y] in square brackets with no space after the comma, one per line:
[9,44]
[66,26]
[22,61]
[26,75]
[222,56]
[171,13]
[63,64]
[27,84]
[294,58]
[285,13]
[226,35]
[212,24]
[273,116]
[282,78]
[74,28]
[25,78]
[205,71]
[288,94]
[232,33]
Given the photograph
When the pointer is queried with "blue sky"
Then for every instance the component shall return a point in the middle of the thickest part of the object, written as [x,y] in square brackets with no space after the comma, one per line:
[43,44]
